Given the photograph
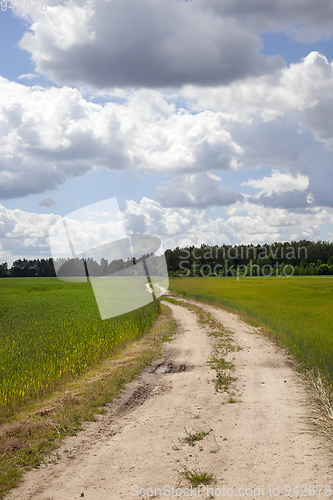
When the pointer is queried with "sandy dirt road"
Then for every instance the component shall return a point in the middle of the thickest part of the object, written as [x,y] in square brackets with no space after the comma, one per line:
[261,441]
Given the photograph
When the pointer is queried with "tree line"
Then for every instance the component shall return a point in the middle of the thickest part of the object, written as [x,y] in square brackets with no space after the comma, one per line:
[24,268]
[305,258]
[296,257]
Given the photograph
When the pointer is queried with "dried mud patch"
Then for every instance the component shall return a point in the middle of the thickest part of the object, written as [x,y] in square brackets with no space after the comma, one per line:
[170,368]
[138,397]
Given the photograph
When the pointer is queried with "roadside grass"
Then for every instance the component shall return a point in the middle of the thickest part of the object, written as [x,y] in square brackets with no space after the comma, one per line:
[321,417]
[34,434]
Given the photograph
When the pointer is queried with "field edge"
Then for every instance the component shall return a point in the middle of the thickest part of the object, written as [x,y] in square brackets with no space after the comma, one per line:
[33,434]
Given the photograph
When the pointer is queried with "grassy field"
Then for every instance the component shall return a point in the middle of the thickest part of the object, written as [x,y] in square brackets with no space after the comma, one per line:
[51,331]
[297,311]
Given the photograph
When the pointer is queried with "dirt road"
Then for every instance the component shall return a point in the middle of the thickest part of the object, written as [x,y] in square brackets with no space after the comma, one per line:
[260,441]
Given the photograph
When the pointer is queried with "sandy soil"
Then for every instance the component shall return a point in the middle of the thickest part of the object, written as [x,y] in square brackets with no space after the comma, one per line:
[259,442]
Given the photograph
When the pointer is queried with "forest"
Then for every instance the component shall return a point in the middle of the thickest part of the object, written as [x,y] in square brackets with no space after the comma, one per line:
[301,257]
[304,257]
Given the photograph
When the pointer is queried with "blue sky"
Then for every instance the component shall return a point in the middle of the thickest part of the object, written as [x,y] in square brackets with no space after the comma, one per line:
[209,122]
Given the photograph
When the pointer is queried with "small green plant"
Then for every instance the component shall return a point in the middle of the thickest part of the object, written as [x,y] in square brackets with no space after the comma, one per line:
[222,381]
[191,439]
[220,364]
[197,477]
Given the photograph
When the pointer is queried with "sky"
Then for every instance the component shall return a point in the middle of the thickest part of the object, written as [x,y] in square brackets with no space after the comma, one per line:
[210,121]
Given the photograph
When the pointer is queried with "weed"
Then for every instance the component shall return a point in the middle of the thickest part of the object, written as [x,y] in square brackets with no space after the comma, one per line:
[220,364]
[222,381]
[197,477]
[191,439]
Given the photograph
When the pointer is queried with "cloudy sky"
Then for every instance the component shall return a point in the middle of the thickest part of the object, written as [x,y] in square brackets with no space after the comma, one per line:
[210,121]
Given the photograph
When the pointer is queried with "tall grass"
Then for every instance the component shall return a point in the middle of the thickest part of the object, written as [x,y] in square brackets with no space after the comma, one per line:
[297,311]
[51,331]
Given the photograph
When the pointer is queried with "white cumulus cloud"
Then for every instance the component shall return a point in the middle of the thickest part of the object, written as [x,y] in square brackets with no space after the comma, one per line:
[280,182]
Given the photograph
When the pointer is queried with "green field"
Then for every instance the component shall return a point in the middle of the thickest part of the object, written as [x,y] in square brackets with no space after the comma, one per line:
[51,331]
[297,311]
